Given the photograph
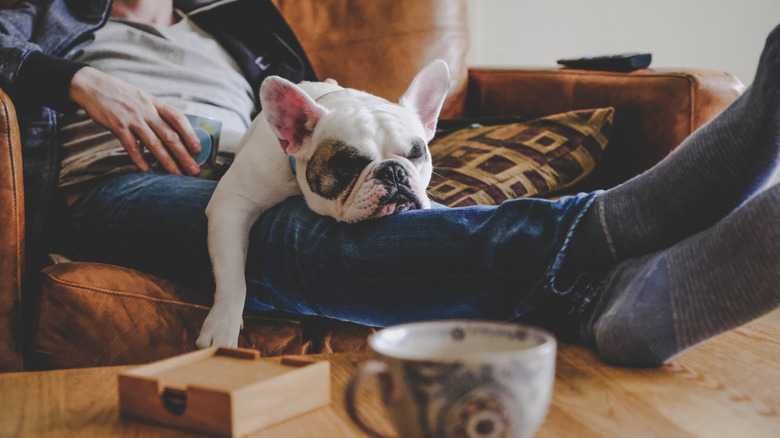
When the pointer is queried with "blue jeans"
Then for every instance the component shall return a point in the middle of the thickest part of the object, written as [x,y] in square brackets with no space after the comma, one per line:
[480,262]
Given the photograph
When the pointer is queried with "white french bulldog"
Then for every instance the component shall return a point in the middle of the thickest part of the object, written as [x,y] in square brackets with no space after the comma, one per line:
[352,155]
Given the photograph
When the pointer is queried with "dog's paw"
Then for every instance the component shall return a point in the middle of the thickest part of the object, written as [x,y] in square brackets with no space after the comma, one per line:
[220,329]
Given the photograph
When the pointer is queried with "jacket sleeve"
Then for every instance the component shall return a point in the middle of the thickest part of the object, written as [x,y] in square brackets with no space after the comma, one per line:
[27,74]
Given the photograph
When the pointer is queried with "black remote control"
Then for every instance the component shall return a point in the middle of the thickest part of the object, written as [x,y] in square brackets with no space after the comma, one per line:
[624,62]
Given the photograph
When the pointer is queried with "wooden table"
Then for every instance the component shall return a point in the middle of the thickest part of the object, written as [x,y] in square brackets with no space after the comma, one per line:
[727,387]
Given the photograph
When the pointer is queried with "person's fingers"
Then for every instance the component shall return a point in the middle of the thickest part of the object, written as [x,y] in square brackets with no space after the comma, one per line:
[151,141]
[181,125]
[171,141]
[134,150]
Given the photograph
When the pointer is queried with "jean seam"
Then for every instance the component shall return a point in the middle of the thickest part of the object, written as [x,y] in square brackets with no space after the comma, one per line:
[554,267]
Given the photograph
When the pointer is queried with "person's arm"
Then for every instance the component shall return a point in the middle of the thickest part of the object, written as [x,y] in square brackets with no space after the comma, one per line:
[27,74]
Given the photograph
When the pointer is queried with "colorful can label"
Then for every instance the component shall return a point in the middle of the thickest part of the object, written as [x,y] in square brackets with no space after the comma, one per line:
[207,130]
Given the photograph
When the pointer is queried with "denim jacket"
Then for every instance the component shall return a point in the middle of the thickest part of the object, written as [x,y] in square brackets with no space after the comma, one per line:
[34,34]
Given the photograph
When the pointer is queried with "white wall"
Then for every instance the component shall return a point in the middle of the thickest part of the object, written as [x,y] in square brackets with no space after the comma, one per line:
[724,35]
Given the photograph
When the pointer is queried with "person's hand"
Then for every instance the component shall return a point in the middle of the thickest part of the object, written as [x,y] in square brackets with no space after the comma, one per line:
[138,119]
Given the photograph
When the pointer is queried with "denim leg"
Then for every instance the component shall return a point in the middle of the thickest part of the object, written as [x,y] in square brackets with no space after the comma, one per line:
[473,262]
[152,222]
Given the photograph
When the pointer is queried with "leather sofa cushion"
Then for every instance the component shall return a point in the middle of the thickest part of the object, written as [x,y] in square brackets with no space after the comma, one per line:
[93,314]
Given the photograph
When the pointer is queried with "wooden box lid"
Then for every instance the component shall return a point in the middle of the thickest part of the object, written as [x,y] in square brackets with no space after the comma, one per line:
[223,391]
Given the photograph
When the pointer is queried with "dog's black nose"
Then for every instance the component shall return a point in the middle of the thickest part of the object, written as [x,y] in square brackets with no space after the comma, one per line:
[392,173]
[395,179]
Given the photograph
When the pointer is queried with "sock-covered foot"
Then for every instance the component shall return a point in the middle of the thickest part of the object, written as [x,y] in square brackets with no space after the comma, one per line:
[709,175]
[654,307]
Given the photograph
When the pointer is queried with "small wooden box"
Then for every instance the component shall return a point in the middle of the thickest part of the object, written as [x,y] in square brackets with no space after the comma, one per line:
[223,391]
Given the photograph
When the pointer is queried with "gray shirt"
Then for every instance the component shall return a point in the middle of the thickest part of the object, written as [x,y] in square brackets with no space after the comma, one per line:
[181,64]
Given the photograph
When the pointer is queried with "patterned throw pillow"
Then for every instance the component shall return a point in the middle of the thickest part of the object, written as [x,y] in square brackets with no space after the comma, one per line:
[488,165]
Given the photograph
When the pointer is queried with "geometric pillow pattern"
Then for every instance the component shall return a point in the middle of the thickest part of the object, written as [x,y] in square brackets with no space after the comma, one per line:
[488,165]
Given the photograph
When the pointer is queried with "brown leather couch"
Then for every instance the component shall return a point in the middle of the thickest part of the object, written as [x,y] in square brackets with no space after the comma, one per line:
[88,314]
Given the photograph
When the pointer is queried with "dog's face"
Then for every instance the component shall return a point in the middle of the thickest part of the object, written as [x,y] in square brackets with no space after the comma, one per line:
[359,156]
[368,159]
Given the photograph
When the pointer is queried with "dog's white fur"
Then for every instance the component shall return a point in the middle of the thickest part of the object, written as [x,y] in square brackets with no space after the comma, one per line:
[300,118]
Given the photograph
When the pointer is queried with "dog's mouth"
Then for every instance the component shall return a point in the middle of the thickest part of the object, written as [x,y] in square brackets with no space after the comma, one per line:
[396,201]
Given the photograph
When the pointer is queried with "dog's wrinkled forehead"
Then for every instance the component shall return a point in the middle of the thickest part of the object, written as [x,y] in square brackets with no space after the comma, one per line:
[334,166]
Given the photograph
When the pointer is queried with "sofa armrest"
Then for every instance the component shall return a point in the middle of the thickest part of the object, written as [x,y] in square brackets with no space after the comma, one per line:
[11,238]
[655,110]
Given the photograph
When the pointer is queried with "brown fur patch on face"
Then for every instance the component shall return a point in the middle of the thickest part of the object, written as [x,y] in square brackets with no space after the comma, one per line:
[334,167]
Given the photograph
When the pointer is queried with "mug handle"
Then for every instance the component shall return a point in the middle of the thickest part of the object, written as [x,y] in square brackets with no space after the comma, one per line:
[367,370]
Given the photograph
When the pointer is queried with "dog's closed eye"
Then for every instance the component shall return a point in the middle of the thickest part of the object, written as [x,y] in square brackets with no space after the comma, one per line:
[419,150]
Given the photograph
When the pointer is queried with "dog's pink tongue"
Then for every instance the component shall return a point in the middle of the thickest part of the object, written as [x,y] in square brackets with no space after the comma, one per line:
[389,209]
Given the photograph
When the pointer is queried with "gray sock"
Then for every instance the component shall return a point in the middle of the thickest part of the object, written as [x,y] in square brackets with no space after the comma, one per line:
[654,307]
[708,176]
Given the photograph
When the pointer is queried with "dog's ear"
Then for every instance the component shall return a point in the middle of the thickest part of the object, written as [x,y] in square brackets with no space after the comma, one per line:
[291,112]
[426,94]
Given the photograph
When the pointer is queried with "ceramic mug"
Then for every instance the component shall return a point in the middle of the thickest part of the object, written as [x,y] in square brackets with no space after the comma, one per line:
[460,378]
[208,131]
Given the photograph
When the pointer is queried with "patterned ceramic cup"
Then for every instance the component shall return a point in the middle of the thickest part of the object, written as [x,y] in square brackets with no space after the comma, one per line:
[460,378]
